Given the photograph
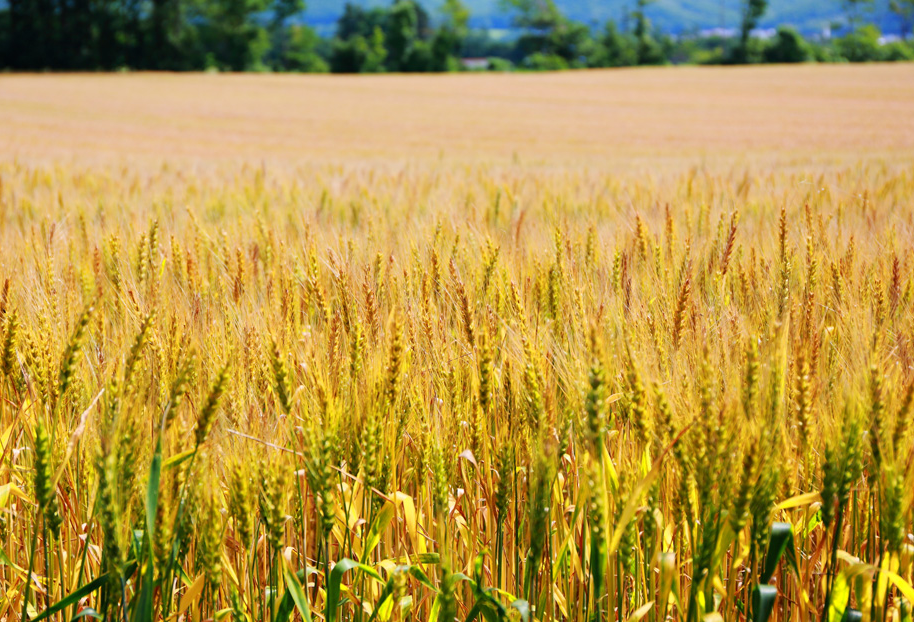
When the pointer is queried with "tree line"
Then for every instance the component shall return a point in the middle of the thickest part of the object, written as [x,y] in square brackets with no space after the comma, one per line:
[270,35]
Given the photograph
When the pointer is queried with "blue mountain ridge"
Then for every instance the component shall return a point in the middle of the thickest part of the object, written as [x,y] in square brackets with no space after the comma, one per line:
[672,16]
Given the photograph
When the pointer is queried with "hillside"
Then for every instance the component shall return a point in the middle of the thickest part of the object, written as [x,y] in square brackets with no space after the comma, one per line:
[673,16]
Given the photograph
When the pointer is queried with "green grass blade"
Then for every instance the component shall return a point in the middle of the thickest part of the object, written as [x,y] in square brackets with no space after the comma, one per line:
[143,612]
[297,594]
[336,578]
[386,515]
[73,598]
[763,597]
[781,539]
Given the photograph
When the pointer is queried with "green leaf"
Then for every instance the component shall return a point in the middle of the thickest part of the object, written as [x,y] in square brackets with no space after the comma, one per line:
[477,571]
[143,612]
[435,609]
[486,604]
[152,492]
[840,595]
[4,560]
[763,597]
[420,576]
[297,593]
[475,611]
[336,578]
[88,612]
[387,513]
[387,592]
[483,606]
[286,604]
[73,598]
[781,539]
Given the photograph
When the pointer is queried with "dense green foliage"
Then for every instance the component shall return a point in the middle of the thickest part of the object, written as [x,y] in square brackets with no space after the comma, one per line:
[402,36]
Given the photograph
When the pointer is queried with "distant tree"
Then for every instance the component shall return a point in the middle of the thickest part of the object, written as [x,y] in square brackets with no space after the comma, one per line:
[75,46]
[897,51]
[173,39]
[573,42]
[787,46]
[555,40]
[904,9]
[448,39]
[377,53]
[31,33]
[359,54]
[443,50]
[351,22]
[539,15]
[401,34]
[860,45]
[233,37]
[280,32]
[283,10]
[545,62]
[618,49]
[357,21]
[753,10]
[301,51]
[649,52]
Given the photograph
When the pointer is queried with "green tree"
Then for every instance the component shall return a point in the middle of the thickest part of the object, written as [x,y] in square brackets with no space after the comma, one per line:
[359,45]
[649,52]
[359,54]
[280,32]
[357,21]
[301,51]
[753,10]
[861,45]
[233,37]
[173,41]
[443,50]
[551,40]
[448,40]
[538,15]
[31,33]
[787,46]
[618,49]
[401,35]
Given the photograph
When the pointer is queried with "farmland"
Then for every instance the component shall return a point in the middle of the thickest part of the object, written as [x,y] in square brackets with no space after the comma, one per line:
[628,345]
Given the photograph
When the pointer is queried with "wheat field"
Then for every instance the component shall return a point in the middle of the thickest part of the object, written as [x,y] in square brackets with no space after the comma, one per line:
[625,345]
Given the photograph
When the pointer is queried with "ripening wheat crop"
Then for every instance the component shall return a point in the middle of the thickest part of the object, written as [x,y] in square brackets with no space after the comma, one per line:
[471,391]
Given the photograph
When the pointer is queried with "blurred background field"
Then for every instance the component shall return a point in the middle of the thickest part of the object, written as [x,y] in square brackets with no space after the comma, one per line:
[621,119]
